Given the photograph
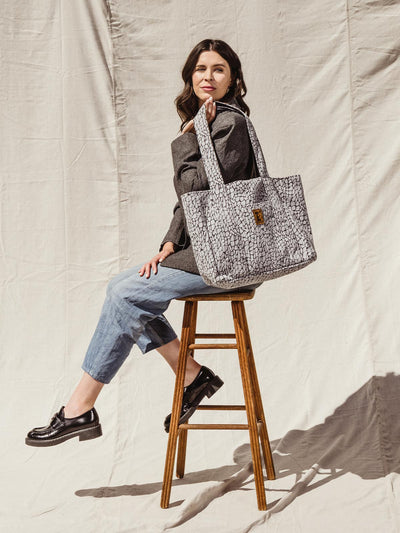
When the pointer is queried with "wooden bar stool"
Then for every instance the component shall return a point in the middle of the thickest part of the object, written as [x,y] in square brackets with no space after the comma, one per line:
[251,391]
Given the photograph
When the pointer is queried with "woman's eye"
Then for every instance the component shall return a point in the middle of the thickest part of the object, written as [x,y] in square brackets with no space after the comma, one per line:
[202,68]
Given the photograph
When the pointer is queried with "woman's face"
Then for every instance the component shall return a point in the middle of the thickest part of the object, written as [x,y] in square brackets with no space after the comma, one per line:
[213,72]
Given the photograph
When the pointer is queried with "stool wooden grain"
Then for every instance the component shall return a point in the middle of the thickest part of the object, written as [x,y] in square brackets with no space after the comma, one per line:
[253,403]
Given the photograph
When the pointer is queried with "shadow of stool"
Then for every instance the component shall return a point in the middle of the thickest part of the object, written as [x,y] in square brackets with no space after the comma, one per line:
[253,404]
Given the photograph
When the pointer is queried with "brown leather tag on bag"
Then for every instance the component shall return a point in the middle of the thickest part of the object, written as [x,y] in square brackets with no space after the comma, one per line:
[258,216]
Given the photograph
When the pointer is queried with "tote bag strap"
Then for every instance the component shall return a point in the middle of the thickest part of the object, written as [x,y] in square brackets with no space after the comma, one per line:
[210,160]
[261,165]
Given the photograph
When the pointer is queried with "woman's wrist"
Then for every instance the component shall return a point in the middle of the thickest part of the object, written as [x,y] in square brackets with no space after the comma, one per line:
[169,246]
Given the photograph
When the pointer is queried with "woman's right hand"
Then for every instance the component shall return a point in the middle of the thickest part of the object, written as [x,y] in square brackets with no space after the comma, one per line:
[167,250]
[211,111]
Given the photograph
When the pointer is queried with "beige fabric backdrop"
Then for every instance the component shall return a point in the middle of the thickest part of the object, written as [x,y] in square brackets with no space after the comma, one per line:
[87,118]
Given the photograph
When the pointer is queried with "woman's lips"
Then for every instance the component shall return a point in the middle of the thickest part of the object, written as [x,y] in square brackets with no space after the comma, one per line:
[208,88]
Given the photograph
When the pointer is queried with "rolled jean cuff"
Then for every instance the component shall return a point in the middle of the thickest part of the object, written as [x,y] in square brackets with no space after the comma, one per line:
[96,375]
[144,344]
[157,332]
[152,345]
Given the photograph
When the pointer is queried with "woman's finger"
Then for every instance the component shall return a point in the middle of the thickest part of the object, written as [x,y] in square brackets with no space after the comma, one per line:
[213,110]
[146,268]
[154,264]
[210,109]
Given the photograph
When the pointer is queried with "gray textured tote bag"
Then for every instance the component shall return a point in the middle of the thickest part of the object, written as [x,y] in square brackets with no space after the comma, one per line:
[246,231]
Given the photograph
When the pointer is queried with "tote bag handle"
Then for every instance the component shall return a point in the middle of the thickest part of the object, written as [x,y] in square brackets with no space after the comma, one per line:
[210,160]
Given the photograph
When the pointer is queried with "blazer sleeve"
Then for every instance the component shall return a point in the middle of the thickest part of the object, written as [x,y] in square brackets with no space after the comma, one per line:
[175,232]
[232,147]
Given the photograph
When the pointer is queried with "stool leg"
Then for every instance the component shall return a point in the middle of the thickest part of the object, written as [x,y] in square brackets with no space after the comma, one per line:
[249,402]
[187,337]
[182,433]
[269,464]
[181,457]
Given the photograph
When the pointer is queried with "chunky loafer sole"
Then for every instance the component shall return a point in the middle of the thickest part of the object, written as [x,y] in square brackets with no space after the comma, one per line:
[83,434]
[85,426]
[211,388]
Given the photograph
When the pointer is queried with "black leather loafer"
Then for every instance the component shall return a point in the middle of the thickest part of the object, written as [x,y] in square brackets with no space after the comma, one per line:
[85,426]
[206,383]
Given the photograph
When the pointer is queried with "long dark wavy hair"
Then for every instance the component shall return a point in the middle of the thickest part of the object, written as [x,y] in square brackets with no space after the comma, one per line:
[187,103]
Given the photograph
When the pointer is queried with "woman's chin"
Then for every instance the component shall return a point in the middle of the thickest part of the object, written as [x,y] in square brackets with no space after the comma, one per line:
[206,96]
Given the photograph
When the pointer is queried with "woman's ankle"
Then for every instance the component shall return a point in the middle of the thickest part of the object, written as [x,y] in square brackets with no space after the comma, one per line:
[84,396]
[72,411]
[191,374]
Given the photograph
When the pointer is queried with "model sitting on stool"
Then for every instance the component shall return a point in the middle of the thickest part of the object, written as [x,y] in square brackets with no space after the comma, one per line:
[134,305]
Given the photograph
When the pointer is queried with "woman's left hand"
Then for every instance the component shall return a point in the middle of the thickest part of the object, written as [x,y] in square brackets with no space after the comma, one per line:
[211,110]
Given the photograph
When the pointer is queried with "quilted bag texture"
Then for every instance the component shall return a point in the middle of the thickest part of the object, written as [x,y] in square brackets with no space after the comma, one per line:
[247,231]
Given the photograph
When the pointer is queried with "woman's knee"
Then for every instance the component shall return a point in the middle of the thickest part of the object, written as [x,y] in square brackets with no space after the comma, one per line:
[112,284]
[127,289]
[116,283]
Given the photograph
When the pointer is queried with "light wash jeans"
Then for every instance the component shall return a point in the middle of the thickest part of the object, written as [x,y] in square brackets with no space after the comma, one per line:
[133,313]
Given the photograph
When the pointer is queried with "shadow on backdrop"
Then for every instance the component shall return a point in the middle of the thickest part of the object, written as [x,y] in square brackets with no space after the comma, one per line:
[362,437]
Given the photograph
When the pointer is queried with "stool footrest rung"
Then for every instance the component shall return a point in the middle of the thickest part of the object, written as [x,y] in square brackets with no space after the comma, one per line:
[221,408]
[213,426]
[215,336]
[212,346]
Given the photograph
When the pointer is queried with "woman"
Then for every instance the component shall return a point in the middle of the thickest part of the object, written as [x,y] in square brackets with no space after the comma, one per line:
[137,298]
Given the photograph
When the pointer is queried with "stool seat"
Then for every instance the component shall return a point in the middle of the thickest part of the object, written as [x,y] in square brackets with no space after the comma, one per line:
[253,406]
[220,296]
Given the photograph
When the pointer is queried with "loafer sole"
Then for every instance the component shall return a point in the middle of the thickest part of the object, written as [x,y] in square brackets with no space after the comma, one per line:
[83,434]
[212,387]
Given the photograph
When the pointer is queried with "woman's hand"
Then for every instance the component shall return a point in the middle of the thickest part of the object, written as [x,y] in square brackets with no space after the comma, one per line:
[167,250]
[211,110]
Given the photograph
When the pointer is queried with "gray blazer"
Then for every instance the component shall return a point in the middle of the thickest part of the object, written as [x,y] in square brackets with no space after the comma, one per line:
[236,159]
